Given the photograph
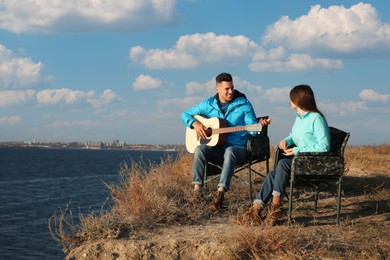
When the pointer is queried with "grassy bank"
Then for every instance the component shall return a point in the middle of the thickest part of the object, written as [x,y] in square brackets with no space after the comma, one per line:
[151,199]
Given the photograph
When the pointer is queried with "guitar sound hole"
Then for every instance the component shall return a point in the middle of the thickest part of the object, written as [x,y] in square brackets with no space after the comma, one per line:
[209,131]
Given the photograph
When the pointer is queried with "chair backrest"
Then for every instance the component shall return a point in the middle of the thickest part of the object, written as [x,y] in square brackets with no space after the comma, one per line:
[338,141]
[259,146]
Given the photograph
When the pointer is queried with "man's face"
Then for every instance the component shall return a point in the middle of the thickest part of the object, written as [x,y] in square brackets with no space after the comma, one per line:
[225,91]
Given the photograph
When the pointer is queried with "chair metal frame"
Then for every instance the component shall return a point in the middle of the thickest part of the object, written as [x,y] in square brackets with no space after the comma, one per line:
[316,169]
[258,148]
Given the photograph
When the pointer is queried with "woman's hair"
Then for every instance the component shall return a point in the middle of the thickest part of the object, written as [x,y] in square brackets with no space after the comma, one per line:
[303,97]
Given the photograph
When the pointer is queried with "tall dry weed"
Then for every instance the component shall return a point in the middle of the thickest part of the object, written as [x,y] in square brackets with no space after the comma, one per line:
[268,242]
[160,196]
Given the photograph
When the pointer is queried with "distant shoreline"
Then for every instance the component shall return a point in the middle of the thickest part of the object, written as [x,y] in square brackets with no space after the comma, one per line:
[145,148]
[95,146]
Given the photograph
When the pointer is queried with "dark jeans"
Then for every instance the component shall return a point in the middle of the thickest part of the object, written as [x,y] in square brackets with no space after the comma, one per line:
[275,182]
[228,158]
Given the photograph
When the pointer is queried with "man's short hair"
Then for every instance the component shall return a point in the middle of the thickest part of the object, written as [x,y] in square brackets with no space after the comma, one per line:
[224,77]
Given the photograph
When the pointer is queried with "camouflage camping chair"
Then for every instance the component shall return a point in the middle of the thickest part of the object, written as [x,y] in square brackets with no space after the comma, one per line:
[319,170]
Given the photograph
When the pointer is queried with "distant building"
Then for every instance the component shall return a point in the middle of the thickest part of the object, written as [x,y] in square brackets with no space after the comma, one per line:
[95,145]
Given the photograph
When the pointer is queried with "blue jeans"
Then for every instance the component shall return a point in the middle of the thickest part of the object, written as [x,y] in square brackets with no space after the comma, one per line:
[227,157]
[275,182]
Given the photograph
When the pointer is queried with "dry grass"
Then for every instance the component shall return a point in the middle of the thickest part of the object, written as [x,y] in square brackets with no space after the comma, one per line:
[150,197]
[368,159]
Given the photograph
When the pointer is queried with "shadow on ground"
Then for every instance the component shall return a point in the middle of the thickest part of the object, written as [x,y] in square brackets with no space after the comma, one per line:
[361,197]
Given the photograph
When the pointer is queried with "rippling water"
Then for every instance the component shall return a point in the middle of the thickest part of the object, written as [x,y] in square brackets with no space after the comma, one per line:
[35,183]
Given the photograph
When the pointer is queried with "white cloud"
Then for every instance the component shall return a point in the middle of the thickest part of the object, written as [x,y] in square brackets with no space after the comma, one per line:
[15,97]
[16,71]
[299,45]
[336,29]
[295,62]
[68,96]
[279,95]
[104,99]
[36,16]
[10,120]
[344,108]
[64,95]
[195,88]
[143,82]
[85,124]
[244,86]
[371,95]
[192,50]
[353,107]
[180,104]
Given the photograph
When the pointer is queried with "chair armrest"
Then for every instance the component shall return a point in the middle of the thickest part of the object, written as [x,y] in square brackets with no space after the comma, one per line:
[317,153]
[317,164]
[279,155]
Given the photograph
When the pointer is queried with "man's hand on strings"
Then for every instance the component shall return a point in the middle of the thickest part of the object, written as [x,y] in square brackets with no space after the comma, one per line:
[200,130]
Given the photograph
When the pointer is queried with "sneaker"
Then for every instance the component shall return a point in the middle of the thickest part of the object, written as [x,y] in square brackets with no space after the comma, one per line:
[250,218]
[216,203]
[275,213]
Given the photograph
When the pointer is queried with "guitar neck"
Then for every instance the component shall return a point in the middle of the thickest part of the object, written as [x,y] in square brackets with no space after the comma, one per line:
[230,129]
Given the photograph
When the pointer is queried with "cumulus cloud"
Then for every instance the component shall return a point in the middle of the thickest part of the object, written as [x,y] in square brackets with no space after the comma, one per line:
[10,120]
[343,108]
[17,71]
[334,29]
[104,99]
[295,62]
[353,107]
[371,95]
[64,95]
[192,50]
[195,88]
[68,97]
[315,41]
[144,82]
[15,97]
[244,85]
[36,16]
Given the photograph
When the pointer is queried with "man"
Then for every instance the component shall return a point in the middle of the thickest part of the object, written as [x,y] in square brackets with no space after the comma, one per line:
[232,106]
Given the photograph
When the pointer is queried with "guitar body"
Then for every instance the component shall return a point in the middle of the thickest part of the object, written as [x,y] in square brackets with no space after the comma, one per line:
[192,140]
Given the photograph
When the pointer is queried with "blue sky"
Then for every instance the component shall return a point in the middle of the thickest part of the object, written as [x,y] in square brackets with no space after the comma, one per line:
[111,69]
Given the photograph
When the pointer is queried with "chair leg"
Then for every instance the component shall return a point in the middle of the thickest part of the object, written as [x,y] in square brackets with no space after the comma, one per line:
[205,184]
[339,200]
[316,199]
[290,199]
[250,182]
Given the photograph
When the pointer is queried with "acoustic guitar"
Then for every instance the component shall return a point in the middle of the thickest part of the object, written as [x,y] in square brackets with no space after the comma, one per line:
[216,132]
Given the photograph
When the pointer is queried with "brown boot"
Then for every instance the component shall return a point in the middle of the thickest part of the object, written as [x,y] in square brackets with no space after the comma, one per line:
[250,218]
[275,213]
[216,203]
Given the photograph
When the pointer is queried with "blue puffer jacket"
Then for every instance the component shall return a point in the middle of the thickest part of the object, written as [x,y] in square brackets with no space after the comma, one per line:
[239,113]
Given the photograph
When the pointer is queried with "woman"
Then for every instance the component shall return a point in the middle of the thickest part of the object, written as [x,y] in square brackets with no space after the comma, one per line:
[310,133]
